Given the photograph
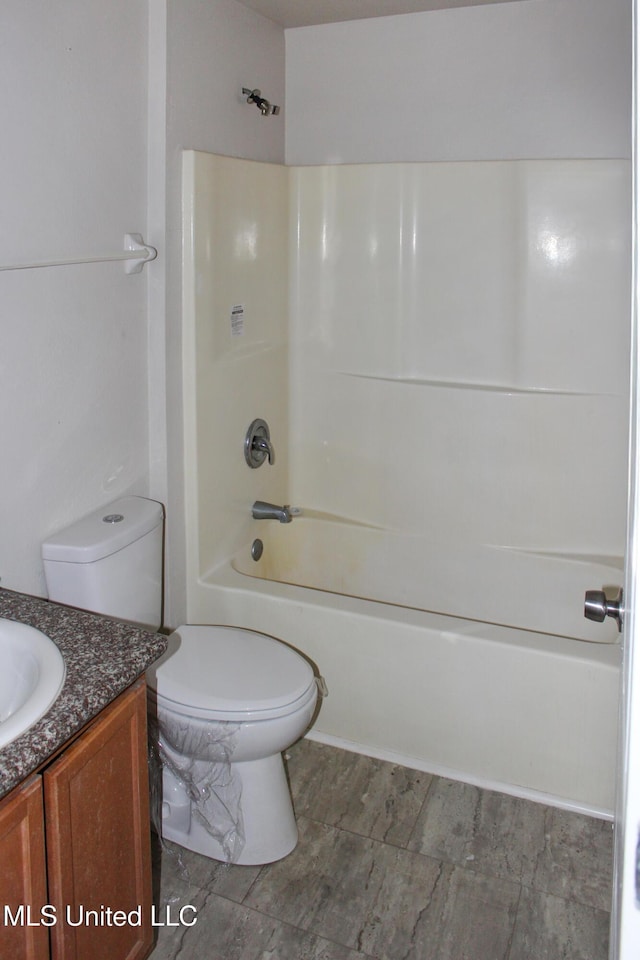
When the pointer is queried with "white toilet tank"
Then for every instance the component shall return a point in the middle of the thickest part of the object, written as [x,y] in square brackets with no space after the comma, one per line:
[110,562]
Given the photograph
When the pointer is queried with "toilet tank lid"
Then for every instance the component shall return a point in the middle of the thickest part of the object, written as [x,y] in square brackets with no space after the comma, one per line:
[105,531]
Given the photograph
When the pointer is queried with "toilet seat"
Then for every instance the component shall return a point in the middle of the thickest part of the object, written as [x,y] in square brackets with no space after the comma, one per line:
[230,674]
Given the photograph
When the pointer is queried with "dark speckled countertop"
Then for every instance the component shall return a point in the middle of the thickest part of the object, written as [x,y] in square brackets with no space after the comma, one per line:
[103,657]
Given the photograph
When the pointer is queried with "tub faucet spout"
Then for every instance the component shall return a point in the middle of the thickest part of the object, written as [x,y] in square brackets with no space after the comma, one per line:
[270,511]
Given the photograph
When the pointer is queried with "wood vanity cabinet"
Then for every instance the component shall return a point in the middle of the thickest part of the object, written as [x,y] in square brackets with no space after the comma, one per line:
[23,873]
[95,830]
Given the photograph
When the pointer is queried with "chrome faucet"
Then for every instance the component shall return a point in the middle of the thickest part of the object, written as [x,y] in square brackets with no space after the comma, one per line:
[269,511]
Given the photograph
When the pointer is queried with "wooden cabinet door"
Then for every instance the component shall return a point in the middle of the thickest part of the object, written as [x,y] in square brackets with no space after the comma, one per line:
[98,838]
[23,879]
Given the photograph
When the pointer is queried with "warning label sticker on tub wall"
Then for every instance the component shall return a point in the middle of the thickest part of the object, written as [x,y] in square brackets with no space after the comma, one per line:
[237,320]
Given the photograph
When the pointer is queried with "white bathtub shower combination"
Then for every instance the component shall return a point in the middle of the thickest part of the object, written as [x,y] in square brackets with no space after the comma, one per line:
[425,341]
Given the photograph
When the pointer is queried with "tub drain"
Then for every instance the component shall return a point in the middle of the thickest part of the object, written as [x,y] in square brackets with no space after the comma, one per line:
[256,549]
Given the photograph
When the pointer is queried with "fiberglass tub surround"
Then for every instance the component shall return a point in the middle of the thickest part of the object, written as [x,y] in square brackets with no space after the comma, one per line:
[450,349]
[438,349]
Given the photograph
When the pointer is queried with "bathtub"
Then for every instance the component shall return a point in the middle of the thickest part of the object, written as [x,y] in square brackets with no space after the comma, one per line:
[503,706]
[528,589]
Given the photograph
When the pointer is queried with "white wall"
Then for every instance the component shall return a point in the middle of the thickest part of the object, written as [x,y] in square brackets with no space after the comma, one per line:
[526,80]
[74,339]
[214,48]
[91,405]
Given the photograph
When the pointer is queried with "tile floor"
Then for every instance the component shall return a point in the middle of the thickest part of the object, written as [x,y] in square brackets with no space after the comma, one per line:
[394,864]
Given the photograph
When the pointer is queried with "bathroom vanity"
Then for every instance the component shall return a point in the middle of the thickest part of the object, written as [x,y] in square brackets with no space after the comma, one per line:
[75,863]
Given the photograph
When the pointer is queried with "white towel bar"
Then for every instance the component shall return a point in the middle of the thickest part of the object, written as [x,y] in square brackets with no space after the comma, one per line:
[136,253]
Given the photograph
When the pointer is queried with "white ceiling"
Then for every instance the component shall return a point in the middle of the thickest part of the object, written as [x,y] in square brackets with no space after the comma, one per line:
[305,13]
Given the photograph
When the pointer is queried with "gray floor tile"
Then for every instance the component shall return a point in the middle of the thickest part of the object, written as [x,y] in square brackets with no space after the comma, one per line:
[289,943]
[473,919]
[464,916]
[470,875]
[577,860]
[488,832]
[182,870]
[548,926]
[367,796]
[326,875]
[228,931]
[384,901]
[171,939]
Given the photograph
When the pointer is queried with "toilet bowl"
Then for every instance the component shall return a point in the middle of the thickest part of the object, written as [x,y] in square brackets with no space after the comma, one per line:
[228,702]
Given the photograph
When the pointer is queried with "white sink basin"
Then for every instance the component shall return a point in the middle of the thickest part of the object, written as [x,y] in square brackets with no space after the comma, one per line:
[31,676]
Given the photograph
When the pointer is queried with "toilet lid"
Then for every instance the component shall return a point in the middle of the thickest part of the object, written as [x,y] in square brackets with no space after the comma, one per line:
[227,670]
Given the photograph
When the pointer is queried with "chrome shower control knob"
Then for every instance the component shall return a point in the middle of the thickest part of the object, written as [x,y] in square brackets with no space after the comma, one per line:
[257,444]
[597,607]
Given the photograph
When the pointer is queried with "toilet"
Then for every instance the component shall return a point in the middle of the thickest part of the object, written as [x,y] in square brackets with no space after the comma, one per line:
[227,701]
